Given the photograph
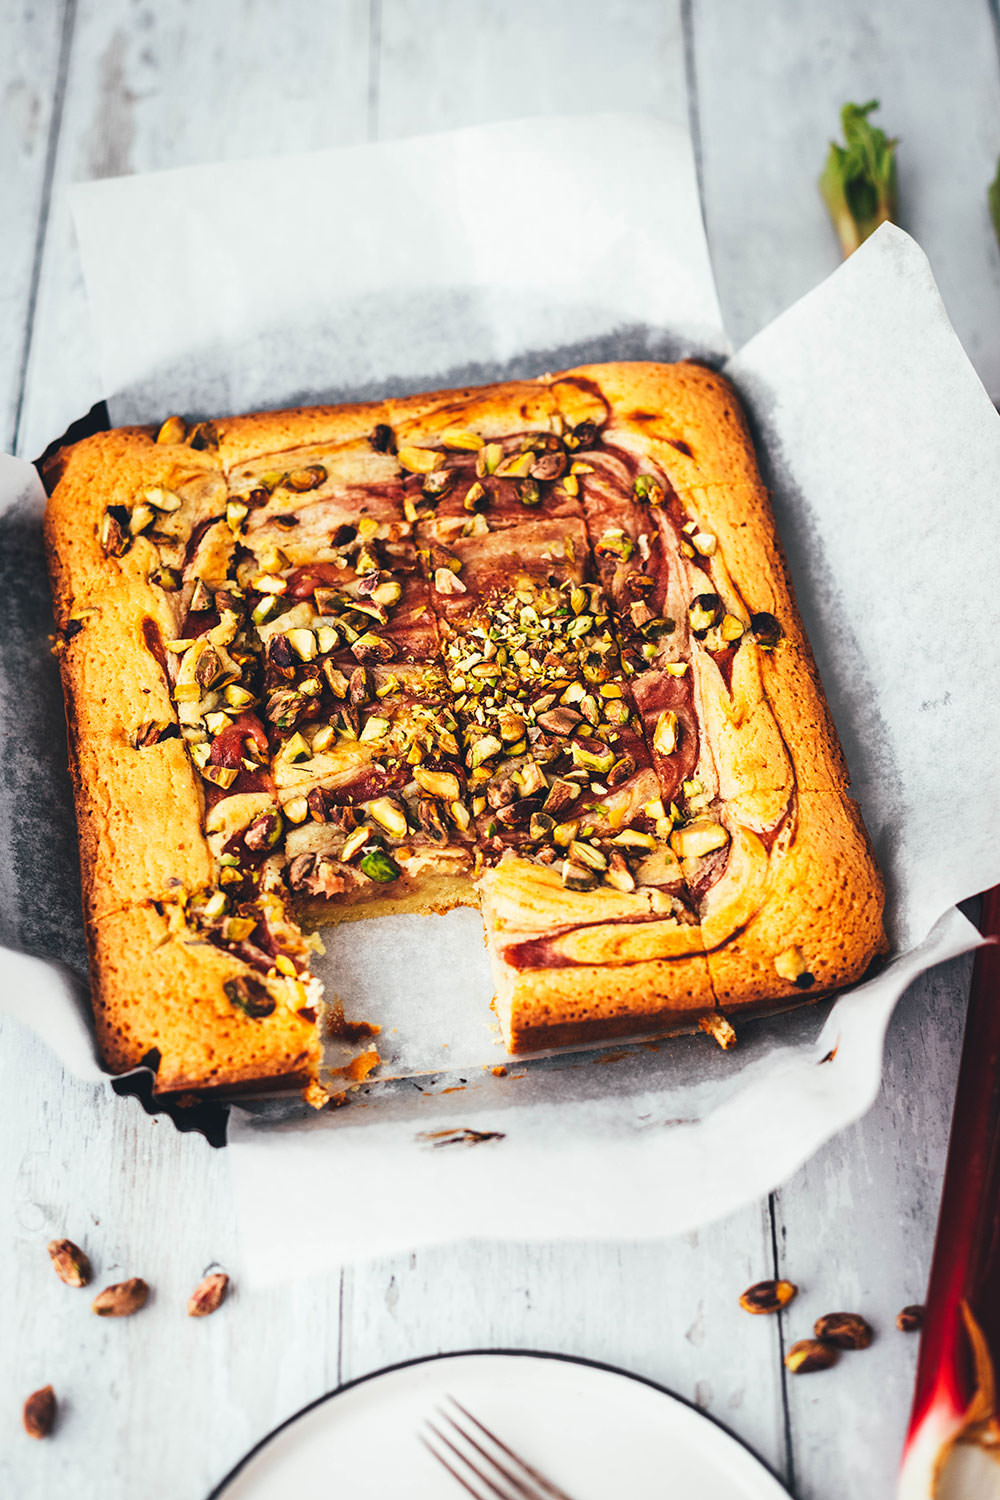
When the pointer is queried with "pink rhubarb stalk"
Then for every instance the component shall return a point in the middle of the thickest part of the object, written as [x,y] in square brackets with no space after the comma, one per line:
[955,1402]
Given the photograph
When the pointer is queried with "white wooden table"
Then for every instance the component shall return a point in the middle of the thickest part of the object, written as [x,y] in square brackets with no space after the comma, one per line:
[163,1405]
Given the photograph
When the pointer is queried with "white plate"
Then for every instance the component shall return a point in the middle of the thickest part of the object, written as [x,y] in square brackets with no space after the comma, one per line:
[596,1431]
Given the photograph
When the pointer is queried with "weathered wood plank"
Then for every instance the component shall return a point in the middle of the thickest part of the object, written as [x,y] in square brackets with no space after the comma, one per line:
[771,80]
[856,1230]
[666,1311]
[150,88]
[173,1402]
[158,1404]
[856,1225]
[157,87]
[442,66]
[35,44]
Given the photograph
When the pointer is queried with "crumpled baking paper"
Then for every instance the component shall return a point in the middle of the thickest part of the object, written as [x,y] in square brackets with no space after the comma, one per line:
[506,251]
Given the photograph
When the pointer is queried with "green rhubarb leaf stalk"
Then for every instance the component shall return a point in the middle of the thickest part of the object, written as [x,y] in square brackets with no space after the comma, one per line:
[858,183]
[994,197]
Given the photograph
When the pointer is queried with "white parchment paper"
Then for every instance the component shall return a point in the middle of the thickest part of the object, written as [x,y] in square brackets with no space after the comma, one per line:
[511,250]
[377,270]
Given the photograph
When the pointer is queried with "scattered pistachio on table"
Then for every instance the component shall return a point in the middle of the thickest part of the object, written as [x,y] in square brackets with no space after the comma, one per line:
[40,1412]
[69,1262]
[911,1318]
[121,1299]
[846,1330]
[209,1295]
[767,1296]
[808,1355]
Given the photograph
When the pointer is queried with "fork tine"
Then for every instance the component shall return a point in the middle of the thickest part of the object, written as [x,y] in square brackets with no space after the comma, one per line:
[515,1481]
[543,1483]
[476,1493]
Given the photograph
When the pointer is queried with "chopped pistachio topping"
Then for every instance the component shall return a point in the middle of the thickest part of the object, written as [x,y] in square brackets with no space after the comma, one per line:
[296,810]
[296,749]
[447,582]
[488,459]
[223,776]
[649,490]
[667,732]
[704,612]
[617,543]
[173,430]
[577,877]
[791,965]
[162,499]
[420,460]
[216,905]
[308,478]
[355,842]
[390,815]
[303,643]
[379,865]
[438,783]
[766,630]
[699,838]
[375,728]
[587,854]
[456,438]
[618,875]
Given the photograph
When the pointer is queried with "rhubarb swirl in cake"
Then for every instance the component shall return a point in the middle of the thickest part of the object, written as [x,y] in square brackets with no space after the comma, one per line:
[530,647]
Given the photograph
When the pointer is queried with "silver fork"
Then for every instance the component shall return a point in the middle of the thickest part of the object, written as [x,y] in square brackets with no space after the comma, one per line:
[493,1472]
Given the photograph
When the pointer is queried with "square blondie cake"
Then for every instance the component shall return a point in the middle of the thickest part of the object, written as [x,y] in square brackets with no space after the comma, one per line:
[530,647]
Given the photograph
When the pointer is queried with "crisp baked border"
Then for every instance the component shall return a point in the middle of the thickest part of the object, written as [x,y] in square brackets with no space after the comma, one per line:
[770,735]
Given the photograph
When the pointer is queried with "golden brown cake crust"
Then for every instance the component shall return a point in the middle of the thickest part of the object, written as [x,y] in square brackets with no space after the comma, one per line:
[800,889]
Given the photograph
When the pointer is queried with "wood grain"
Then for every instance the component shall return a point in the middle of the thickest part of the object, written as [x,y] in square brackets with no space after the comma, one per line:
[153,87]
[162,1404]
[855,1230]
[771,80]
[33,55]
[524,57]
